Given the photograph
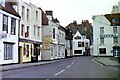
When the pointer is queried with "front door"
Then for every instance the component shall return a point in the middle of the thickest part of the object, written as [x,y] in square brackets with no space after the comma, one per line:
[20,54]
[34,57]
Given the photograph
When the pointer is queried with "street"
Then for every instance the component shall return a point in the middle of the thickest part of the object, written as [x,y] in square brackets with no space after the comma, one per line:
[76,67]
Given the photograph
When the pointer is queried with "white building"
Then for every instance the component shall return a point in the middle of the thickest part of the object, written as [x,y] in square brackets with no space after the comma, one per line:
[106,34]
[9,23]
[61,42]
[53,38]
[79,44]
[30,39]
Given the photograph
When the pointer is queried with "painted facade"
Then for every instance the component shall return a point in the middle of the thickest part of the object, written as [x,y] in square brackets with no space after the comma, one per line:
[9,23]
[79,44]
[106,30]
[30,39]
[52,39]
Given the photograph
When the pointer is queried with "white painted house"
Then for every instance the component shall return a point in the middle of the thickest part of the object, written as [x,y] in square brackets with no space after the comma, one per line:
[9,24]
[61,42]
[106,31]
[53,38]
[79,44]
[30,35]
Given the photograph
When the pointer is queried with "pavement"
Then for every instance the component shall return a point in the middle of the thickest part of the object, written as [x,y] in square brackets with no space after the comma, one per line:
[24,65]
[107,61]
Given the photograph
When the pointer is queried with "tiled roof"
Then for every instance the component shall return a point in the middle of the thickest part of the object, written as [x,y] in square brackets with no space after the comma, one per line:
[71,26]
[62,28]
[8,8]
[113,16]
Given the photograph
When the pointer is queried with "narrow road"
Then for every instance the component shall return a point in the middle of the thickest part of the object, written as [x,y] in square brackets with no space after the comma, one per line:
[77,67]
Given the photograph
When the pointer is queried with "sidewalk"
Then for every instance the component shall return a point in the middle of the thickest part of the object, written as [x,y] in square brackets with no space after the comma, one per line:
[107,61]
[24,65]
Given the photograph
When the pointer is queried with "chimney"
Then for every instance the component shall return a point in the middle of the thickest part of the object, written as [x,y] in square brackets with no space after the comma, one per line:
[50,13]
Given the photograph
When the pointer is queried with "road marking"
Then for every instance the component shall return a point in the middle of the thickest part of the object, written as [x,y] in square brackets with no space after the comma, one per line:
[97,62]
[60,72]
[73,62]
[69,66]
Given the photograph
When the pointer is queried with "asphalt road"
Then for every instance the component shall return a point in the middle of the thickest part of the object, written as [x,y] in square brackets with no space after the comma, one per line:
[77,67]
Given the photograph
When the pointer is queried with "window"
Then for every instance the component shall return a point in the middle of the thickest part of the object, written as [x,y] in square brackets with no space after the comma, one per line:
[82,44]
[36,15]
[27,33]
[102,50]
[79,44]
[22,30]
[115,39]
[27,51]
[101,41]
[114,30]
[5,23]
[51,51]
[28,14]
[38,31]
[34,29]
[23,12]
[115,20]
[101,30]
[8,51]
[13,26]
[53,33]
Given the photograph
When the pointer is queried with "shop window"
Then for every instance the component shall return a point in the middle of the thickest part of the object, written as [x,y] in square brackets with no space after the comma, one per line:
[27,50]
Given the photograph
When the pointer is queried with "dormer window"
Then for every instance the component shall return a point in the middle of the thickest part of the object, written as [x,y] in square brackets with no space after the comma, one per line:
[115,20]
[2,2]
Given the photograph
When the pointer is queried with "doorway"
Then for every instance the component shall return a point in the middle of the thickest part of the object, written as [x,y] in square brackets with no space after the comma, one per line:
[20,57]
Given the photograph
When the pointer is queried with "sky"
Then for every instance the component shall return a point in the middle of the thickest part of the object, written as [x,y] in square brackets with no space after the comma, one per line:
[68,11]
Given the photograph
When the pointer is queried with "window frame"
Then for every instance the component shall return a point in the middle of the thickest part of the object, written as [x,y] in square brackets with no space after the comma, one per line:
[28,13]
[13,27]
[101,30]
[5,26]
[23,12]
[53,33]
[22,30]
[102,41]
[8,51]
[115,30]
[79,44]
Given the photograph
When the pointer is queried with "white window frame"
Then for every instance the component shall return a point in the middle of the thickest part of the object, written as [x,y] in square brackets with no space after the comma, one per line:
[8,51]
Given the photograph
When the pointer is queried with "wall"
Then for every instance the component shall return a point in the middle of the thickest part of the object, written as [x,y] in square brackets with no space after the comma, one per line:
[101,21]
[10,38]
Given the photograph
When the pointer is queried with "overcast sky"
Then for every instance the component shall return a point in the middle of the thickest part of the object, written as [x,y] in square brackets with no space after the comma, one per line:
[69,10]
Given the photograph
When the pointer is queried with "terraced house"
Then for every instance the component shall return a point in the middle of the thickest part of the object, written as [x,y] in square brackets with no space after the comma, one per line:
[9,24]
[53,38]
[30,39]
